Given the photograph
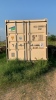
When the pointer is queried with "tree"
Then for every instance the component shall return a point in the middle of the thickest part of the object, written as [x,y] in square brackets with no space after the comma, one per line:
[52,38]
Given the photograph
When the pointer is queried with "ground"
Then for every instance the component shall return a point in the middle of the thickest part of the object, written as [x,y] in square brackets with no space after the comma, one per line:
[43,89]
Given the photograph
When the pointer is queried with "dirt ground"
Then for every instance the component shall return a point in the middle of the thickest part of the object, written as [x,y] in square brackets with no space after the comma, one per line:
[45,89]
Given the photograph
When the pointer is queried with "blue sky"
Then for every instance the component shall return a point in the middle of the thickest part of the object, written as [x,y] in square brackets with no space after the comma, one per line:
[28,9]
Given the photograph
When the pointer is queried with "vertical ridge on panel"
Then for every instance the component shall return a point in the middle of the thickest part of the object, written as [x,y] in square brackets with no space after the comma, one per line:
[16,41]
[26,43]
[7,56]
[24,39]
[29,42]
[46,42]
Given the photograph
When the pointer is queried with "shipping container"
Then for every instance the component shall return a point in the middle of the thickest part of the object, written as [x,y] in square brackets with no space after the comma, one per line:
[26,39]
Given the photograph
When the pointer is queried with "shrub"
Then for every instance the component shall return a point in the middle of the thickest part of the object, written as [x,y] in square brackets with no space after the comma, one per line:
[52,38]
[25,71]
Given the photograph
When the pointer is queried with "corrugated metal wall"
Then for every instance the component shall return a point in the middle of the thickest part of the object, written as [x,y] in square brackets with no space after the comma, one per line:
[26,40]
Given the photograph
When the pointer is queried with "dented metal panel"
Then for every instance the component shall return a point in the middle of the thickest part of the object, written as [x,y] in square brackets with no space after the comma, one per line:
[26,39]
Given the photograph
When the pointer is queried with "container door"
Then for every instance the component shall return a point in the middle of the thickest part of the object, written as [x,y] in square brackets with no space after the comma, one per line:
[36,40]
[21,40]
[17,40]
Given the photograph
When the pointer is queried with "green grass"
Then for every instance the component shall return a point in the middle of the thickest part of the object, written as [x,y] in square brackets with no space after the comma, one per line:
[21,71]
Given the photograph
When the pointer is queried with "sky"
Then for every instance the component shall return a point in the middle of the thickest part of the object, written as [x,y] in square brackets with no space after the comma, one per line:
[27,9]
